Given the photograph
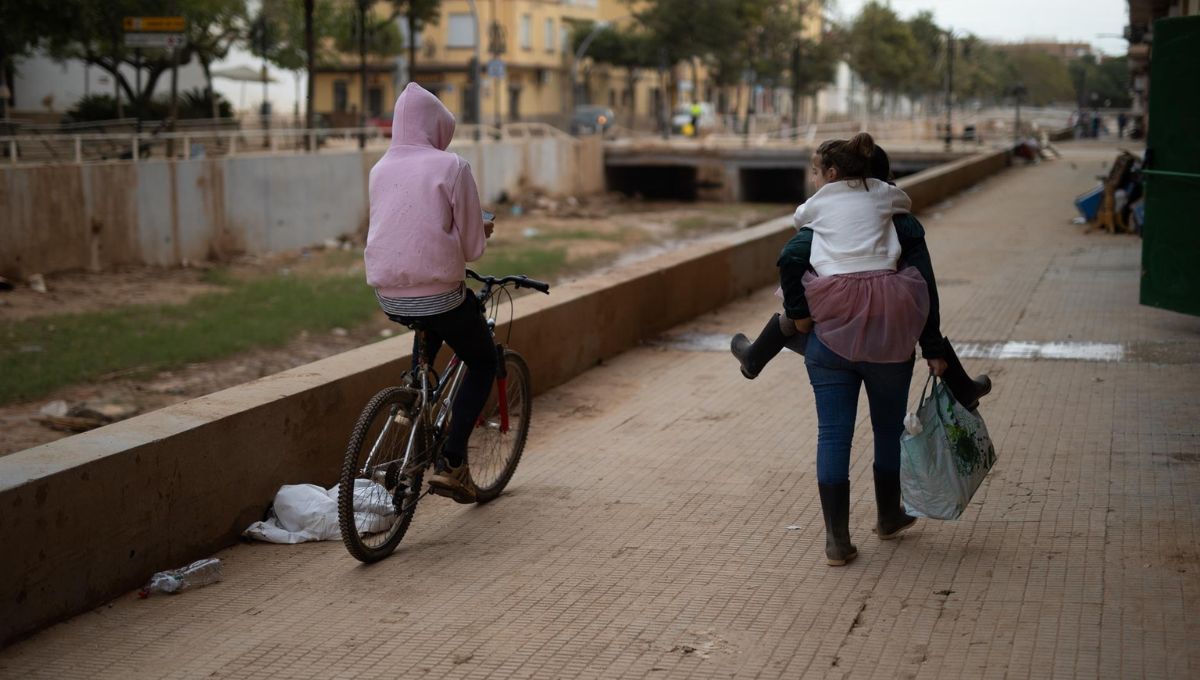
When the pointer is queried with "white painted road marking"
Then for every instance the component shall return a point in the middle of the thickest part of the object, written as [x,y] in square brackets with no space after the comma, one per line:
[1071,351]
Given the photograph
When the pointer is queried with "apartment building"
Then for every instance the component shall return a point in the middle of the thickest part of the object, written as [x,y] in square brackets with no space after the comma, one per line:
[525,60]
[523,48]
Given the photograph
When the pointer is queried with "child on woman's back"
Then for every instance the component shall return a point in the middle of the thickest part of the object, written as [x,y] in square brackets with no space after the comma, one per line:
[844,264]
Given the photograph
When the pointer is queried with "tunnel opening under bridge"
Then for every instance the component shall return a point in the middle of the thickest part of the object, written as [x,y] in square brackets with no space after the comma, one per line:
[772,185]
[660,182]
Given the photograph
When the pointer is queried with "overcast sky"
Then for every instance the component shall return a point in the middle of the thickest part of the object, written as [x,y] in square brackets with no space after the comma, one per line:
[1016,20]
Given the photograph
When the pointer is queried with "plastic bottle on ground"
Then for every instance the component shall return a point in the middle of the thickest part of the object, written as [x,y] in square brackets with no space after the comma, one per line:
[197,574]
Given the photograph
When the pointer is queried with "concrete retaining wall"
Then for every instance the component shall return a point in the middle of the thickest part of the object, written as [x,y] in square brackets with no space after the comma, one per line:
[92,516]
[935,184]
[64,217]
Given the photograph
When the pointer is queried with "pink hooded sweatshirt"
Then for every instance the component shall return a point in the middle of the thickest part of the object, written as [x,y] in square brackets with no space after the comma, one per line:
[425,218]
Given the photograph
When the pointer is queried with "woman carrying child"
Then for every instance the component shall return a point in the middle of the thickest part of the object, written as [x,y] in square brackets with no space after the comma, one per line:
[867,313]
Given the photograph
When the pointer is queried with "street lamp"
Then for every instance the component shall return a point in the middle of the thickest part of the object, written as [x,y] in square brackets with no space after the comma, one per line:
[473,78]
[949,86]
[577,56]
[362,73]
[1018,91]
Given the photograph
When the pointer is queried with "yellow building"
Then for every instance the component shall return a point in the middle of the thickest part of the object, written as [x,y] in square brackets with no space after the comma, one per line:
[529,37]
[532,38]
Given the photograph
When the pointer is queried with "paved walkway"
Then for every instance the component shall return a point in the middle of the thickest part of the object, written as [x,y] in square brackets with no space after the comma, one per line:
[645,533]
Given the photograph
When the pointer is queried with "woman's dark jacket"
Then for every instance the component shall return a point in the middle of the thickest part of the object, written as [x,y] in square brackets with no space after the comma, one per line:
[794,262]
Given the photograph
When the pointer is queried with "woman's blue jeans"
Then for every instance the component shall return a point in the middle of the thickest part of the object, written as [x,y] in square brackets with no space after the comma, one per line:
[836,382]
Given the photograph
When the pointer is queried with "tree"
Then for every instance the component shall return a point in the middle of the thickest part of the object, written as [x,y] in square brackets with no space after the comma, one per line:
[769,31]
[23,25]
[417,14]
[94,34]
[926,77]
[814,64]
[383,37]
[631,48]
[690,28]
[1108,79]
[687,30]
[213,28]
[882,50]
[277,32]
[1046,79]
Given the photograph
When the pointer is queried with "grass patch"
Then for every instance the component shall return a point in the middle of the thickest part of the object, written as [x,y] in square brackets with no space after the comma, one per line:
[538,262]
[546,234]
[217,276]
[40,355]
[701,223]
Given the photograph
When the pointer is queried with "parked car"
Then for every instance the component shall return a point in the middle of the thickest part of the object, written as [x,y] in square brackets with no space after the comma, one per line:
[708,122]
[383,122]
[592,119]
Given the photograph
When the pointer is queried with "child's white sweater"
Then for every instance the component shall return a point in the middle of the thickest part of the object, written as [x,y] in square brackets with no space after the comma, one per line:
[852,226]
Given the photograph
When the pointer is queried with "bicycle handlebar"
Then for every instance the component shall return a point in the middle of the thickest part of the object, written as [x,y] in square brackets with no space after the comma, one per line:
[518,280]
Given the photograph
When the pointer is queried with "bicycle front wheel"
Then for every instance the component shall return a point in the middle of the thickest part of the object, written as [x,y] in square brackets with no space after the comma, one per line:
[499,438]
[376,497]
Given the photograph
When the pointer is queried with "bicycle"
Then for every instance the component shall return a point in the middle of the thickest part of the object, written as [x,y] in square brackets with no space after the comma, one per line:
[401,431]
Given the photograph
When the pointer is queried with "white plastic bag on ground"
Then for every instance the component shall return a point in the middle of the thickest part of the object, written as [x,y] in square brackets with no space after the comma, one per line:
[306,512]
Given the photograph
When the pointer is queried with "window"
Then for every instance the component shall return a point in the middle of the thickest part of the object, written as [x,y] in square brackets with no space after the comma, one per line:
[548,35]
[564,37]
[526,32]
[375,101]
[460,31]
[340,96]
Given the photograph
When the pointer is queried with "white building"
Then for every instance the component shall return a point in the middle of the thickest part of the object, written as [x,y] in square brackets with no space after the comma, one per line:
[46,86]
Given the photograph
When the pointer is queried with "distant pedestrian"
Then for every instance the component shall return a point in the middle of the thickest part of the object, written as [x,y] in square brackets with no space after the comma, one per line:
[1095,124]
[1122,122]
[696,111]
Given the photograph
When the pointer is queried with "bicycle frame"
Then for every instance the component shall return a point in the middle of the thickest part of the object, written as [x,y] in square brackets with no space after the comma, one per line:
[434,401]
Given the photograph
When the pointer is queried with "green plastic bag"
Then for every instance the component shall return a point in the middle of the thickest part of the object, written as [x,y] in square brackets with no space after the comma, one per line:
[946,459]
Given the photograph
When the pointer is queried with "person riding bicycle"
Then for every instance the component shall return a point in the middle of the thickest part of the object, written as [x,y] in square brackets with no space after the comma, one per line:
[425,225]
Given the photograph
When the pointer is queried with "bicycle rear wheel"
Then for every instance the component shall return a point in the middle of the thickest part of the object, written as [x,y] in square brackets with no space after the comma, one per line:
[376,498]
[494,450]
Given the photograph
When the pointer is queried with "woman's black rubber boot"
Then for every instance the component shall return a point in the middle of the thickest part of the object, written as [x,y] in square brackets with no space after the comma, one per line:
[966,391]
[754,355]
[835,505]
[892,520]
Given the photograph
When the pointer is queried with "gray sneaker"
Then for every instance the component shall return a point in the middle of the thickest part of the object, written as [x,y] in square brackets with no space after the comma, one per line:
[454,483]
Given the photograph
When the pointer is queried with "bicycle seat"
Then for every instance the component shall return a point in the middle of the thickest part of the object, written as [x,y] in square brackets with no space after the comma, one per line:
[409,322]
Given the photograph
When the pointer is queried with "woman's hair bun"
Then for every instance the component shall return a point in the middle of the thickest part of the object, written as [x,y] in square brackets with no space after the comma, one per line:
[861,144]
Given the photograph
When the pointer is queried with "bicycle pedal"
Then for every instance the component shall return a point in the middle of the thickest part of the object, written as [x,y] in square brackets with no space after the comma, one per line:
[447,493]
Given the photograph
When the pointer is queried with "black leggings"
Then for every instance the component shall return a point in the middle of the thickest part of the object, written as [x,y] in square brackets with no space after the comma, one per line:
[466,331]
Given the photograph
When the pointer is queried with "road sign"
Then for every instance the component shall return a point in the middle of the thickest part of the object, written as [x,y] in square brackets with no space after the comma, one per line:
[495,68]
[165,40]
[152,24]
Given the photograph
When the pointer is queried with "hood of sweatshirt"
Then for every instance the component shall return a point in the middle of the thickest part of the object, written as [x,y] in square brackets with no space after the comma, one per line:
[420,119]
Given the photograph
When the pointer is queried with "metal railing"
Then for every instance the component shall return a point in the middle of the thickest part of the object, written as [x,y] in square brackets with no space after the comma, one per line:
[85,147]
[182,144]
[201,139]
